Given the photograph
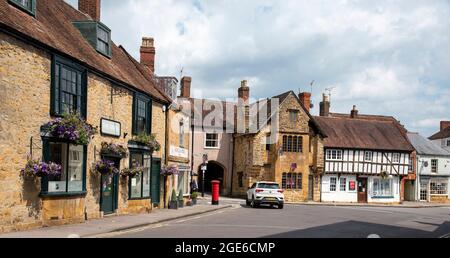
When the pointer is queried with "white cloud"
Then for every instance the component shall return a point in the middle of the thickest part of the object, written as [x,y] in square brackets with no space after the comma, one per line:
[387,57]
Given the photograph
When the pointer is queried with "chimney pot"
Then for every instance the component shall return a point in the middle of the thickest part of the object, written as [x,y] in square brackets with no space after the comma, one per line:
[325,106]
[354,113]
[244,91]
[186,87]
[148,53]
[91,8]
[305,99]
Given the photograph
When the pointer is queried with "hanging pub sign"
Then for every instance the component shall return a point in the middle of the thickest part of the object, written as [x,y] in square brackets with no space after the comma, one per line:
[352,186]
[110,127]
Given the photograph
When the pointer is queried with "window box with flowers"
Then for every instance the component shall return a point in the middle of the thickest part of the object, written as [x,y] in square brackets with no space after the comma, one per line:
[113,150]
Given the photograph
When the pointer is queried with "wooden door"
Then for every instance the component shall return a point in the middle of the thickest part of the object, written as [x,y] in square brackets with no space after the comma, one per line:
[109,191]
[362,190]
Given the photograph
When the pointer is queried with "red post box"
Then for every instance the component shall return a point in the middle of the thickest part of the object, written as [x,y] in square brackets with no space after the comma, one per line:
[215,192]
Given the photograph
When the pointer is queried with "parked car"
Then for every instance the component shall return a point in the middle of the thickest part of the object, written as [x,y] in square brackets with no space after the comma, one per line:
[265,193]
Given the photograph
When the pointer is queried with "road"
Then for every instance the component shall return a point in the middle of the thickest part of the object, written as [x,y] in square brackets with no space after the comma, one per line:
[304,221]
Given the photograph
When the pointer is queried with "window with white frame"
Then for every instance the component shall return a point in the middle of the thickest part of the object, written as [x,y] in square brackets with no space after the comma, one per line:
[434,166]
[396,158]
[183,181]
[382,187]
[334,154]
[368,156]
[448,142]
[333,183]
[212,140]
[410,165]
[439,186]
[343,185]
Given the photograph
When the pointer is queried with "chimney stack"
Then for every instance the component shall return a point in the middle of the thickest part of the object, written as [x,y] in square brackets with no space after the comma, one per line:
[354,113]
[91,8]
[325,106]
[305,99]
[186,87]
[244,92]
[445,124]
[148,53]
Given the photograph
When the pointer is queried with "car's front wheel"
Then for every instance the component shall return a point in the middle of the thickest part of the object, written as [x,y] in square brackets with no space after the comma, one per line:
[280,206]
[247,202]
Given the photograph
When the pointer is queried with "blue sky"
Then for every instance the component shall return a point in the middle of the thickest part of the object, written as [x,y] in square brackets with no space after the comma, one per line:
[386,57]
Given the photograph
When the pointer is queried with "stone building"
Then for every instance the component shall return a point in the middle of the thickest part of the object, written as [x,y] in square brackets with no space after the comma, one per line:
[287,149]
[55,59]
[178,138]
[442,137]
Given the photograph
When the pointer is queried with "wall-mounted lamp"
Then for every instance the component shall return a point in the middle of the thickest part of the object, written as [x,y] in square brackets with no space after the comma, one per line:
[125,135]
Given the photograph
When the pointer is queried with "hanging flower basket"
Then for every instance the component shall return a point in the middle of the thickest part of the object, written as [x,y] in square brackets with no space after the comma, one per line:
[71,127]
[113,149]
[169,170]
[149,141]
[35,168]
[105,167]
[135,170]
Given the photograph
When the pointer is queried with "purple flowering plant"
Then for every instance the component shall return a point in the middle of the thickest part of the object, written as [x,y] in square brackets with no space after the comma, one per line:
[135,170]
[114,149]
[105,167]
[73,128]
[36,168]
[169,170]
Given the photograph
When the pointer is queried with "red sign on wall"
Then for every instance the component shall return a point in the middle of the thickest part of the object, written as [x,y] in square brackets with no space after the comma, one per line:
[352,186]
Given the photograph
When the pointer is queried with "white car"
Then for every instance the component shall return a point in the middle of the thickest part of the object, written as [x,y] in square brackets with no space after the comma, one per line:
[265,193]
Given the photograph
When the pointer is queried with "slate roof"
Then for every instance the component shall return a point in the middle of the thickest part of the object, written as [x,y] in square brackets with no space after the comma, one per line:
[445,133]
[424,146]
[52,29]
[365,132]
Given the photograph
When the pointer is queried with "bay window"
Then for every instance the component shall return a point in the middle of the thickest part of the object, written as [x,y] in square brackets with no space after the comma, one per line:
[72,159]
[439,186]
[139,185]
[382,187]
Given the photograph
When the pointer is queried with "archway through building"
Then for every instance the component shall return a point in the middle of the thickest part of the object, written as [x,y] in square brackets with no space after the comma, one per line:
[215,171]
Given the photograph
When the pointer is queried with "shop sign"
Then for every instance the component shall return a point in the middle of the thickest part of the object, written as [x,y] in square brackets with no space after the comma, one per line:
[110,127]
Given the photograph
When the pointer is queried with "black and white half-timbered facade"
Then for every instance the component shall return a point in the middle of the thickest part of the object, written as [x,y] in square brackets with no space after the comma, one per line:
[366,158]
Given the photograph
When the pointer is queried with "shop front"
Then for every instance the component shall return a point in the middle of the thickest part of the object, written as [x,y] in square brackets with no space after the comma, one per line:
[360,189]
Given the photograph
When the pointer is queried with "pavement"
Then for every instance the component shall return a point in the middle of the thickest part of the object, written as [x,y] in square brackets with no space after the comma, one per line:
[97,227]
[401,205]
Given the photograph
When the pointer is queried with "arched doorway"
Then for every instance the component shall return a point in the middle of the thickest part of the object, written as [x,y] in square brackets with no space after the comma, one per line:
[215,171]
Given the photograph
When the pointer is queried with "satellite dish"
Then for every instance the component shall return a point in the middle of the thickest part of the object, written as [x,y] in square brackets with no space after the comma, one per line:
[425,164]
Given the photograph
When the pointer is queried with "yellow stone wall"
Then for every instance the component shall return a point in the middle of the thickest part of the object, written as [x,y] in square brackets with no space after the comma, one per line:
[24,107]
[159,130]
[25,82]
[258,164]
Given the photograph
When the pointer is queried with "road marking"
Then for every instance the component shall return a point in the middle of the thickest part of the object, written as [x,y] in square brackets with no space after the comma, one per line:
[373,236]
[445,236]
[73,236]
[366,209]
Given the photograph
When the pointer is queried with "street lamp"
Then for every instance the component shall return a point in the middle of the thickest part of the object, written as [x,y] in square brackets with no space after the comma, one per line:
[204,168]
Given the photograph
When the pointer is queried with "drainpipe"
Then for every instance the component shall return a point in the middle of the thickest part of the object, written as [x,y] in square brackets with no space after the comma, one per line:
[232,165]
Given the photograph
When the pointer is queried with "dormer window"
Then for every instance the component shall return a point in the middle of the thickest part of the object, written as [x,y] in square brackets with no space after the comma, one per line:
[97,34]
[27,5]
